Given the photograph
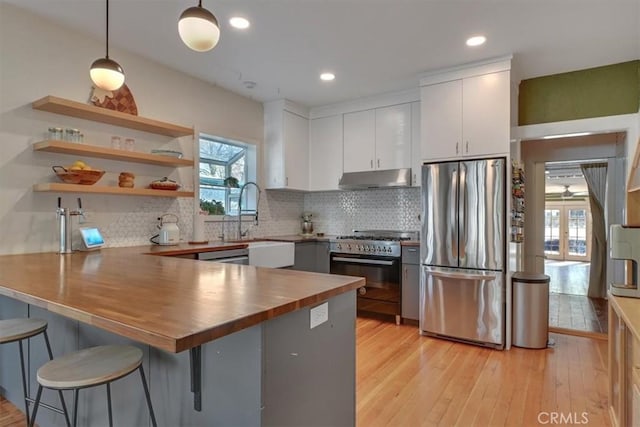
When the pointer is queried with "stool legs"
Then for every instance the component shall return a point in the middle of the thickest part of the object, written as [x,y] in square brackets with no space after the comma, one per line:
[24,382]
[109,405]
[64,406]
[35,406]
[75,407]
[148,396]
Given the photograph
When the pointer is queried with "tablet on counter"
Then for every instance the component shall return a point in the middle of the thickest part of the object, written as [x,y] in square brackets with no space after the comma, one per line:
[91,237]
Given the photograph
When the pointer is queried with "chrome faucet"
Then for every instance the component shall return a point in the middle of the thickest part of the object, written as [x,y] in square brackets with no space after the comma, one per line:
[64,226]
[255,221]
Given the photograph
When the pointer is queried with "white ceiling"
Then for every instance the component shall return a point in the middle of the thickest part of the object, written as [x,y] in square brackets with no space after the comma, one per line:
[373,46]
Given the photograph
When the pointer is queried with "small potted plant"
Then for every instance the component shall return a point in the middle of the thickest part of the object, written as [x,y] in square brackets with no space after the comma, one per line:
[231,182]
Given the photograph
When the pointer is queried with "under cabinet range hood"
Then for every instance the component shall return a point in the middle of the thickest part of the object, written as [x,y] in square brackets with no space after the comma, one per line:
[376,179]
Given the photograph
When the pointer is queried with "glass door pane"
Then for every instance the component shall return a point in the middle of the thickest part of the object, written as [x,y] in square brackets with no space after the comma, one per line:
[552,232]
[576,233]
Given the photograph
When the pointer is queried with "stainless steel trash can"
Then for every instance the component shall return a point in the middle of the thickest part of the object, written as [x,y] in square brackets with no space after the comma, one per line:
[530,310]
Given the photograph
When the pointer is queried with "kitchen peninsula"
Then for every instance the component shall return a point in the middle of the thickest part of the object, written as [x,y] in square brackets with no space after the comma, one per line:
[263,357]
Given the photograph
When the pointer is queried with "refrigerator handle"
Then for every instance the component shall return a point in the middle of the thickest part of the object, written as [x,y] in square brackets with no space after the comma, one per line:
[462,212]
[463,276]
[453,212]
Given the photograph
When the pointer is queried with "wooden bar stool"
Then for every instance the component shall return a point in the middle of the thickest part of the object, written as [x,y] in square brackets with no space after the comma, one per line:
[89,368]
[12,330]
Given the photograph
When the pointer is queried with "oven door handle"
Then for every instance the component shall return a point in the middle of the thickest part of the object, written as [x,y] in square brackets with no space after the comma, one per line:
[363,261]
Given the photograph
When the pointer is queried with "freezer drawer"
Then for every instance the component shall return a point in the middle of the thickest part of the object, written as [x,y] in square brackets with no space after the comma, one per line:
[467,305]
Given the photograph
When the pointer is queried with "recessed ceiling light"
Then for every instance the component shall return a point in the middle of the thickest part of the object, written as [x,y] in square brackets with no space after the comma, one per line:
[327,77]
[476,40]
[239,22]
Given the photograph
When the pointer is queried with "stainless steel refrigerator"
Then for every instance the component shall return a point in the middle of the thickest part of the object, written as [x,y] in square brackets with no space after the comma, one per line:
[462,251]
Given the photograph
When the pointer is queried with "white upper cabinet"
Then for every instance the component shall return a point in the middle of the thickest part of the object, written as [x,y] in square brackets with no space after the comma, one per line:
[441,106]
[286,141]
[377,139]
[486,114]
[325,153]
[359,141]
[393,137]
[466,116]
[416,146]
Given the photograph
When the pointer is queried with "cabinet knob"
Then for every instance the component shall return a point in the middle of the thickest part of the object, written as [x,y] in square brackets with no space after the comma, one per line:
[457,150]
[378,163]
[371,162]
[467,148]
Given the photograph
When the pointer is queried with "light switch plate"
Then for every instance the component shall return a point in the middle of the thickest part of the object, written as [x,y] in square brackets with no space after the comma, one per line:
[318,315]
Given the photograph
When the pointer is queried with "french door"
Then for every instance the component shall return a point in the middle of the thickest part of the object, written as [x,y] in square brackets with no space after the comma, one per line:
[567,231]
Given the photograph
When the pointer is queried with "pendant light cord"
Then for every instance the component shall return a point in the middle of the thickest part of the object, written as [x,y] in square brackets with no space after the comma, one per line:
[107,43]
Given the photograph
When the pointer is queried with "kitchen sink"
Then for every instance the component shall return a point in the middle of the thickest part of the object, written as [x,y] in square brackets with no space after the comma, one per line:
[271,254]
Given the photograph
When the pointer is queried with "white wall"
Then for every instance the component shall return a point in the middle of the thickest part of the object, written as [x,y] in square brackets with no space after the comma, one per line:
[39,58]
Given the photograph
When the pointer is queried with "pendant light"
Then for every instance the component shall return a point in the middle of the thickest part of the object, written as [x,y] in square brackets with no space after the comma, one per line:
[106,73]
[198,28]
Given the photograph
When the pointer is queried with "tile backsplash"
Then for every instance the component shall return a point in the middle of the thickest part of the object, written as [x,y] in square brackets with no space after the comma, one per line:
[376,209]
[336,212]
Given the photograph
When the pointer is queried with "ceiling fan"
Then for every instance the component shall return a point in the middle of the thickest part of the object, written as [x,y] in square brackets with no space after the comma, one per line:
[567,194]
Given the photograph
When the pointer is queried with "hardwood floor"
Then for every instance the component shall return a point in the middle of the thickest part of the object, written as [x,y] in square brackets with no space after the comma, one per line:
[10,416]
[404,379]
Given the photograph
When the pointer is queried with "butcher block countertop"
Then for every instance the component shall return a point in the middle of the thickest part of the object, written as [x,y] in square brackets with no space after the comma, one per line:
[169,303]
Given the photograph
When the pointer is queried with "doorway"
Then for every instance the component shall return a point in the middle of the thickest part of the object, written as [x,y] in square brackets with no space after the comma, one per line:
[567,249]
[558,223]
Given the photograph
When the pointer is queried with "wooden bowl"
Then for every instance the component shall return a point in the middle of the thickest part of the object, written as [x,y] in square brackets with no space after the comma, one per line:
[83,176]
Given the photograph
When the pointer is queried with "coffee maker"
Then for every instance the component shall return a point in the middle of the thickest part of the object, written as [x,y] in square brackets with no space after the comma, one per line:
[625,245]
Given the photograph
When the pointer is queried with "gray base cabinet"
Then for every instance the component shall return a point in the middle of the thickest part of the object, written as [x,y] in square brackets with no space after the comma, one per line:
[410,282]
[312,256]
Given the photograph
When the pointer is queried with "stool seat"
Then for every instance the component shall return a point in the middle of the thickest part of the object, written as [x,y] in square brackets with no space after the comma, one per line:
[90,367]
[19,329]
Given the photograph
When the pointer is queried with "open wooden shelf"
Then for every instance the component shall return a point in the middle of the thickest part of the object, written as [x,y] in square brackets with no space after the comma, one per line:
[59,187]
[67,107]
[64,147]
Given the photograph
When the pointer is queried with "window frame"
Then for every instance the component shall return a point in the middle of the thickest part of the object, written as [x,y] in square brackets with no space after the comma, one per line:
[231,195]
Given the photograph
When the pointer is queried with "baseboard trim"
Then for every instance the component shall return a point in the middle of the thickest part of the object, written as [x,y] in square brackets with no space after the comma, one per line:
[578,333]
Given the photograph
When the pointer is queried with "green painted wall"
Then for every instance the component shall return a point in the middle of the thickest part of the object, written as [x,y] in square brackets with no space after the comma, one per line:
[594,92]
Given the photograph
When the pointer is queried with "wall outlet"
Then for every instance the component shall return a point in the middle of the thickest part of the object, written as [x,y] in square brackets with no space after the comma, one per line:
[318,315]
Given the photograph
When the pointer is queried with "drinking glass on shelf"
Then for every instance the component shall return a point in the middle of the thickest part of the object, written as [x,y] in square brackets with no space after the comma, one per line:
[129,143]
[116,143]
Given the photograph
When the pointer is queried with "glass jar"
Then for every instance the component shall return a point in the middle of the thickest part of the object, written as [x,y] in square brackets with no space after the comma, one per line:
[55,133]
[116,142]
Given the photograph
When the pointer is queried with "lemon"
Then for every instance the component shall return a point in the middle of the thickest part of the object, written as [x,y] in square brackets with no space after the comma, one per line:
[79,163]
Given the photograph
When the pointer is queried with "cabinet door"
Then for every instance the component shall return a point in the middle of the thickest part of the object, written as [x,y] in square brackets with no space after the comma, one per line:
[441,130]
[393,137]
[322,257]
[411,291]
[359,141]
[416,157]
[616,368]
[296,151]
[305,256]
[485,113]
[325,153]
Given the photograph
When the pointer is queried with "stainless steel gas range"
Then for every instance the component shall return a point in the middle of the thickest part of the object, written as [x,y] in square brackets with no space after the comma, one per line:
[376,256]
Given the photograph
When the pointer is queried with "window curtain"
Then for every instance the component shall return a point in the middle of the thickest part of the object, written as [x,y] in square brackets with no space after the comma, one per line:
[596,176]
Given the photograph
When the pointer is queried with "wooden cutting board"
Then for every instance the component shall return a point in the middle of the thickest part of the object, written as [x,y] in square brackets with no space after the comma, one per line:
[118,100]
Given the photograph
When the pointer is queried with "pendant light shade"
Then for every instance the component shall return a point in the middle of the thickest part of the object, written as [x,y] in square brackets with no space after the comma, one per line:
[106,73]
[198,28]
